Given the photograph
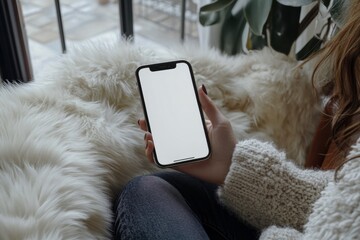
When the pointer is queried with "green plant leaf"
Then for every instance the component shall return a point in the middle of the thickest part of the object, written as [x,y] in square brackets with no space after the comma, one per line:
[337,11]
[256,14]
[210,14]
[296,3]
[231,34]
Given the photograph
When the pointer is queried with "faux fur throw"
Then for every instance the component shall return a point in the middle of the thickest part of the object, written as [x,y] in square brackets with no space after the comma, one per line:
[69,140]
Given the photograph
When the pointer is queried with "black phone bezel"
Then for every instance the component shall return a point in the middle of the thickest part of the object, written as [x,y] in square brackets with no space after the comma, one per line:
[164,66]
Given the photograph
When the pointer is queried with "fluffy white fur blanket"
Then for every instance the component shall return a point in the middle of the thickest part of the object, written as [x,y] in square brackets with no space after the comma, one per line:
[69,140]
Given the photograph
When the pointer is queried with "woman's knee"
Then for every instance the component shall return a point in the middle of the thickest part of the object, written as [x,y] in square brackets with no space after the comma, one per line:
[133,202]
[142,189]
[144,185]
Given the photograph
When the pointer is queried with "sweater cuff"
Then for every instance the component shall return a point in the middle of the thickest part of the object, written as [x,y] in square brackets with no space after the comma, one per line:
[276,233]
[263,188]
[250,164]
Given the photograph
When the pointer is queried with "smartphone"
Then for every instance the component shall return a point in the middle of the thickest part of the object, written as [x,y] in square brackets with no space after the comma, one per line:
[173,113]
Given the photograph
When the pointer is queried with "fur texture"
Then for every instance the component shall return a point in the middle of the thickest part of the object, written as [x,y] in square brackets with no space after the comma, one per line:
[69,140]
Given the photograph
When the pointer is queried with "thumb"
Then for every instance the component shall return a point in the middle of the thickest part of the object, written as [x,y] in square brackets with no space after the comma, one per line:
[211,111]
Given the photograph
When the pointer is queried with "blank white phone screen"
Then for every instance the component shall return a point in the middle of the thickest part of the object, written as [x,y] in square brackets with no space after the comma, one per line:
[173,114]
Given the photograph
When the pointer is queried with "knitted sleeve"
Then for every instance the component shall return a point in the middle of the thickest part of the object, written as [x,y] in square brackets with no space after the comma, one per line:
[336,214]
[265,189]
[276,233]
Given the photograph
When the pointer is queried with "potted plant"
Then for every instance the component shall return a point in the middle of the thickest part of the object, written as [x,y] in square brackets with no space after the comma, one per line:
[279,24]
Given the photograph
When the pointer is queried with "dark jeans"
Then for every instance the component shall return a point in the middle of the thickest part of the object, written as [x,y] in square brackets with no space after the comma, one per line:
[173,205]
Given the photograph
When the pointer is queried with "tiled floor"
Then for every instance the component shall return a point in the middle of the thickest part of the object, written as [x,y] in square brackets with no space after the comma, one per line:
[156,23]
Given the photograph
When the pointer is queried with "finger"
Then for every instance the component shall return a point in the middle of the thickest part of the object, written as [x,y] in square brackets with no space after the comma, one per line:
[211,111]
[149,150]
[147,137]
[149,146]
[142,124]
[208,124]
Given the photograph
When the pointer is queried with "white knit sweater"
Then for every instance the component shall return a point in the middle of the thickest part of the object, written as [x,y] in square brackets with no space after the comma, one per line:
[286,202]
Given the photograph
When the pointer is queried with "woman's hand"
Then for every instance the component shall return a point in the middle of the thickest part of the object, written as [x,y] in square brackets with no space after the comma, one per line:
[222,142]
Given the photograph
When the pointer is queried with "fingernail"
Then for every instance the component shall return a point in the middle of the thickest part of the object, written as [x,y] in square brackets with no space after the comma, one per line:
[204,89]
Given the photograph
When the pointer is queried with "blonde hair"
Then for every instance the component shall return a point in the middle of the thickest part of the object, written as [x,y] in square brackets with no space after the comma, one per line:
[341,56]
